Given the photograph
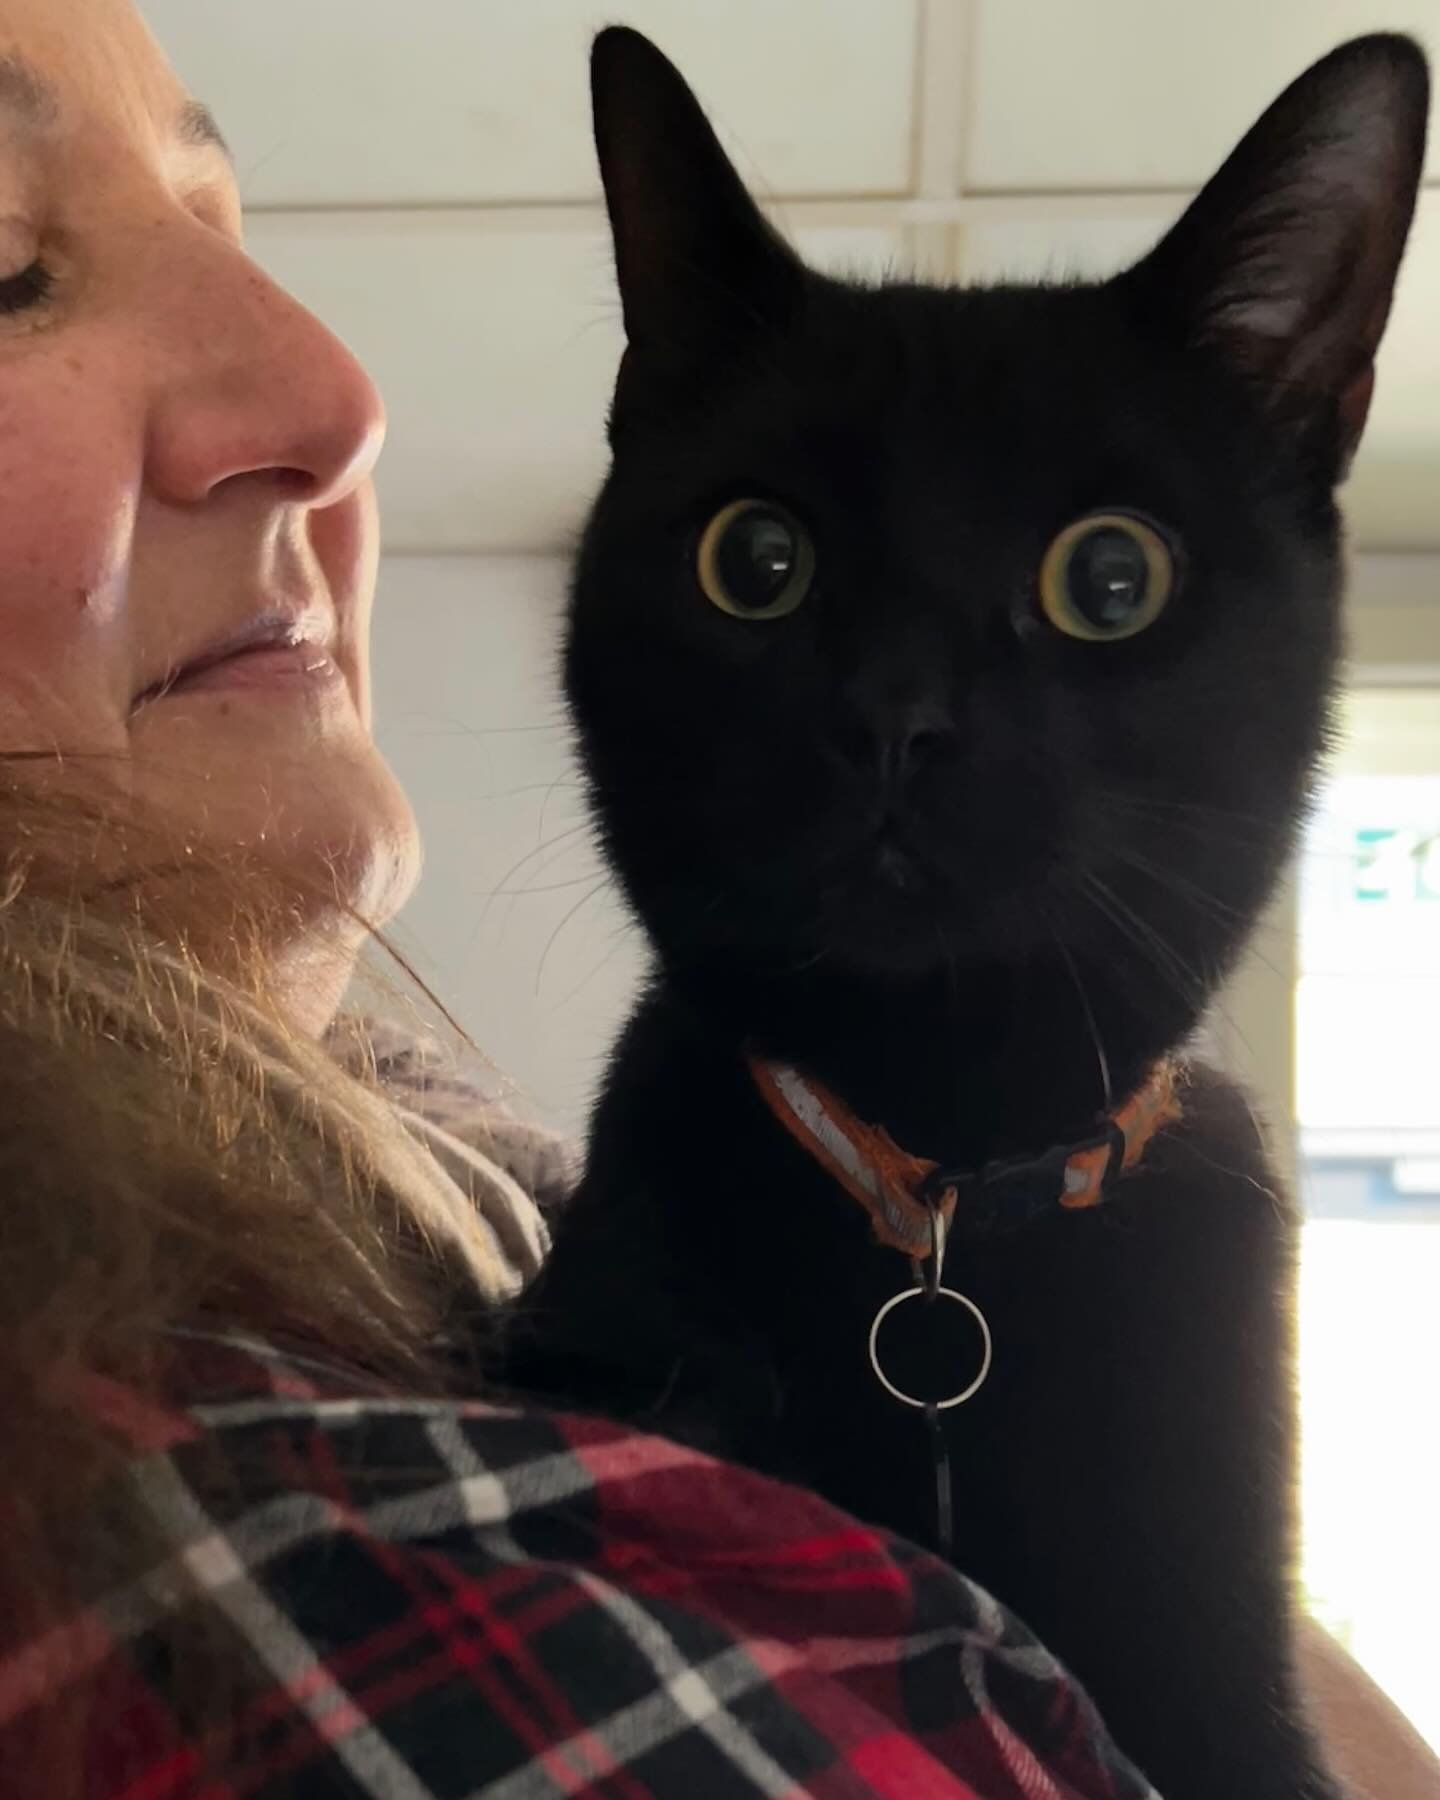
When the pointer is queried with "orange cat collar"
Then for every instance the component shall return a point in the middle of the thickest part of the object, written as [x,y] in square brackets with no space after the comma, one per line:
[897,1189]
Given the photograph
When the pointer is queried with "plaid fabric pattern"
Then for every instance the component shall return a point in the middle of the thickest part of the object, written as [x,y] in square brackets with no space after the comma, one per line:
[423,1601]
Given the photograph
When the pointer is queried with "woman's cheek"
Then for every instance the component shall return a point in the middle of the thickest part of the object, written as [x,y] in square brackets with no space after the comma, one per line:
[67,509]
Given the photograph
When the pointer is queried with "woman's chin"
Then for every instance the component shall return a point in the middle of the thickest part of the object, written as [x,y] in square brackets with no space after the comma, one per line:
[330,842]
[345,837]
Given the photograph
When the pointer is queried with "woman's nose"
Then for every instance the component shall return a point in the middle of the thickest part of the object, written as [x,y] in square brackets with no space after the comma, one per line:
[246,382]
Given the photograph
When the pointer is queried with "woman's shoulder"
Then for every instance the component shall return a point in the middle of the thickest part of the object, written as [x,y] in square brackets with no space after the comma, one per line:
[513,1169]
[438,1597]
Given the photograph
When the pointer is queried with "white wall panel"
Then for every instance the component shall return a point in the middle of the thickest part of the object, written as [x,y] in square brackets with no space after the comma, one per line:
[1393,497]
[496,351]
[352,102]
[514,924]
[1145,93]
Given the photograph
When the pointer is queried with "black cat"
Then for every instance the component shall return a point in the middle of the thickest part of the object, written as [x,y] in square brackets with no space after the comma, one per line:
[950,669]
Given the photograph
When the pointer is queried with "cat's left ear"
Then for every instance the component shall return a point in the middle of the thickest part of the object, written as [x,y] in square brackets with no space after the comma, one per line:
[700,270]
[1284,266]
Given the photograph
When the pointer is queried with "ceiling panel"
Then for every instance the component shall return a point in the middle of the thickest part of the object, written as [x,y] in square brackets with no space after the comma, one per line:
[495,350]
[1391,496]
[344,102]
[1145,93]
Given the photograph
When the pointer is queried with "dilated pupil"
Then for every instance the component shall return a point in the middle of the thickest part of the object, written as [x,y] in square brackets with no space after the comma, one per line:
[1107,578]
[756,558]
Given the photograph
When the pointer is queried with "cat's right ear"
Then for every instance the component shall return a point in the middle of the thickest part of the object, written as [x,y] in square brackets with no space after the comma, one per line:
[700,270]
[1284,266]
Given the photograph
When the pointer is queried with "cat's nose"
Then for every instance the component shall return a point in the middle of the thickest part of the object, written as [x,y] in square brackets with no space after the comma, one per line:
[898,739]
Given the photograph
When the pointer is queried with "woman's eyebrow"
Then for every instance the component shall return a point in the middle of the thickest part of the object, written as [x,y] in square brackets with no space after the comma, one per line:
[197,126]
[26,94]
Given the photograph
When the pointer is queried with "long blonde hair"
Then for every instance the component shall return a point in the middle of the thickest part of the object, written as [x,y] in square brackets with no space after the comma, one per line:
[174,1155]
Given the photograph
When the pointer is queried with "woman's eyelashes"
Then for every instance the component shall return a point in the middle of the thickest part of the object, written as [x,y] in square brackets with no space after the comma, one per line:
[30,288]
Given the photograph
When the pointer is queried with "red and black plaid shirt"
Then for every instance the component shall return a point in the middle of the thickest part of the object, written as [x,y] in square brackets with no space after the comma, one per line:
[422,1600]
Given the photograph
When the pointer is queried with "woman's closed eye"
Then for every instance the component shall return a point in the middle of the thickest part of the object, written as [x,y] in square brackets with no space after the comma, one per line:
[31,287]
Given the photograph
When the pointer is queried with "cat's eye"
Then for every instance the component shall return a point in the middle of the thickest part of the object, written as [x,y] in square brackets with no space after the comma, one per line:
[1105,577]
[755,561]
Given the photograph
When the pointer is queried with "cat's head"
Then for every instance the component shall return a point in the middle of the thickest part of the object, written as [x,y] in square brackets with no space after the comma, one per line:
[920,625]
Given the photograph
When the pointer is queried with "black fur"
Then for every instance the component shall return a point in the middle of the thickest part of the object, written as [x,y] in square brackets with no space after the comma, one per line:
[965,869]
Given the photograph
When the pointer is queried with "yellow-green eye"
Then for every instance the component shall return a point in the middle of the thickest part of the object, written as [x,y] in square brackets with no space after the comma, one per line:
[1106,577]
[755,560]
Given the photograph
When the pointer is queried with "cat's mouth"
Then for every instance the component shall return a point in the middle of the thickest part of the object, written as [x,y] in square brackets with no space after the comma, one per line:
[895,862]
[892,883]
[903,899]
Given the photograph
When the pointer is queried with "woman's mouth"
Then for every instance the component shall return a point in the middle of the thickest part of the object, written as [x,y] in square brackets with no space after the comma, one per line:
[265,666]
[266,657]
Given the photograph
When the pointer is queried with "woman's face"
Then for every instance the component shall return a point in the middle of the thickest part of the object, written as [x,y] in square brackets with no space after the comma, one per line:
[187,529]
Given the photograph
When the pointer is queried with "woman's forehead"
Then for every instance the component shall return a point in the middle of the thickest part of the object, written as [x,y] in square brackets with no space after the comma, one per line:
[63,61]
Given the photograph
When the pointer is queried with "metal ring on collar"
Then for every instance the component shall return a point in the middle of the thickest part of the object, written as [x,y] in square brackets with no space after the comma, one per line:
[917,1293]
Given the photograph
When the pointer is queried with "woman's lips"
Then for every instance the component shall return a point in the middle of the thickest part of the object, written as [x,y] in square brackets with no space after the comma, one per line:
[262,668]
[275,651]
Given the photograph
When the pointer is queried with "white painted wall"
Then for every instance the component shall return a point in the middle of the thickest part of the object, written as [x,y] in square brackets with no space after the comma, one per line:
[514,926]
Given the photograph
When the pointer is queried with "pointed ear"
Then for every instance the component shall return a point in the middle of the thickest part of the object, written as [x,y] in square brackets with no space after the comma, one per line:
[699,268]
[1285,264]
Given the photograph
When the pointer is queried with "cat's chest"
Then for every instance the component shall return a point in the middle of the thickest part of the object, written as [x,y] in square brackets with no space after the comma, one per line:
[756,1239]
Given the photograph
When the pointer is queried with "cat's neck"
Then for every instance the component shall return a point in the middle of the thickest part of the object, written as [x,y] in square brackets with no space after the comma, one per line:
[996,1062]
